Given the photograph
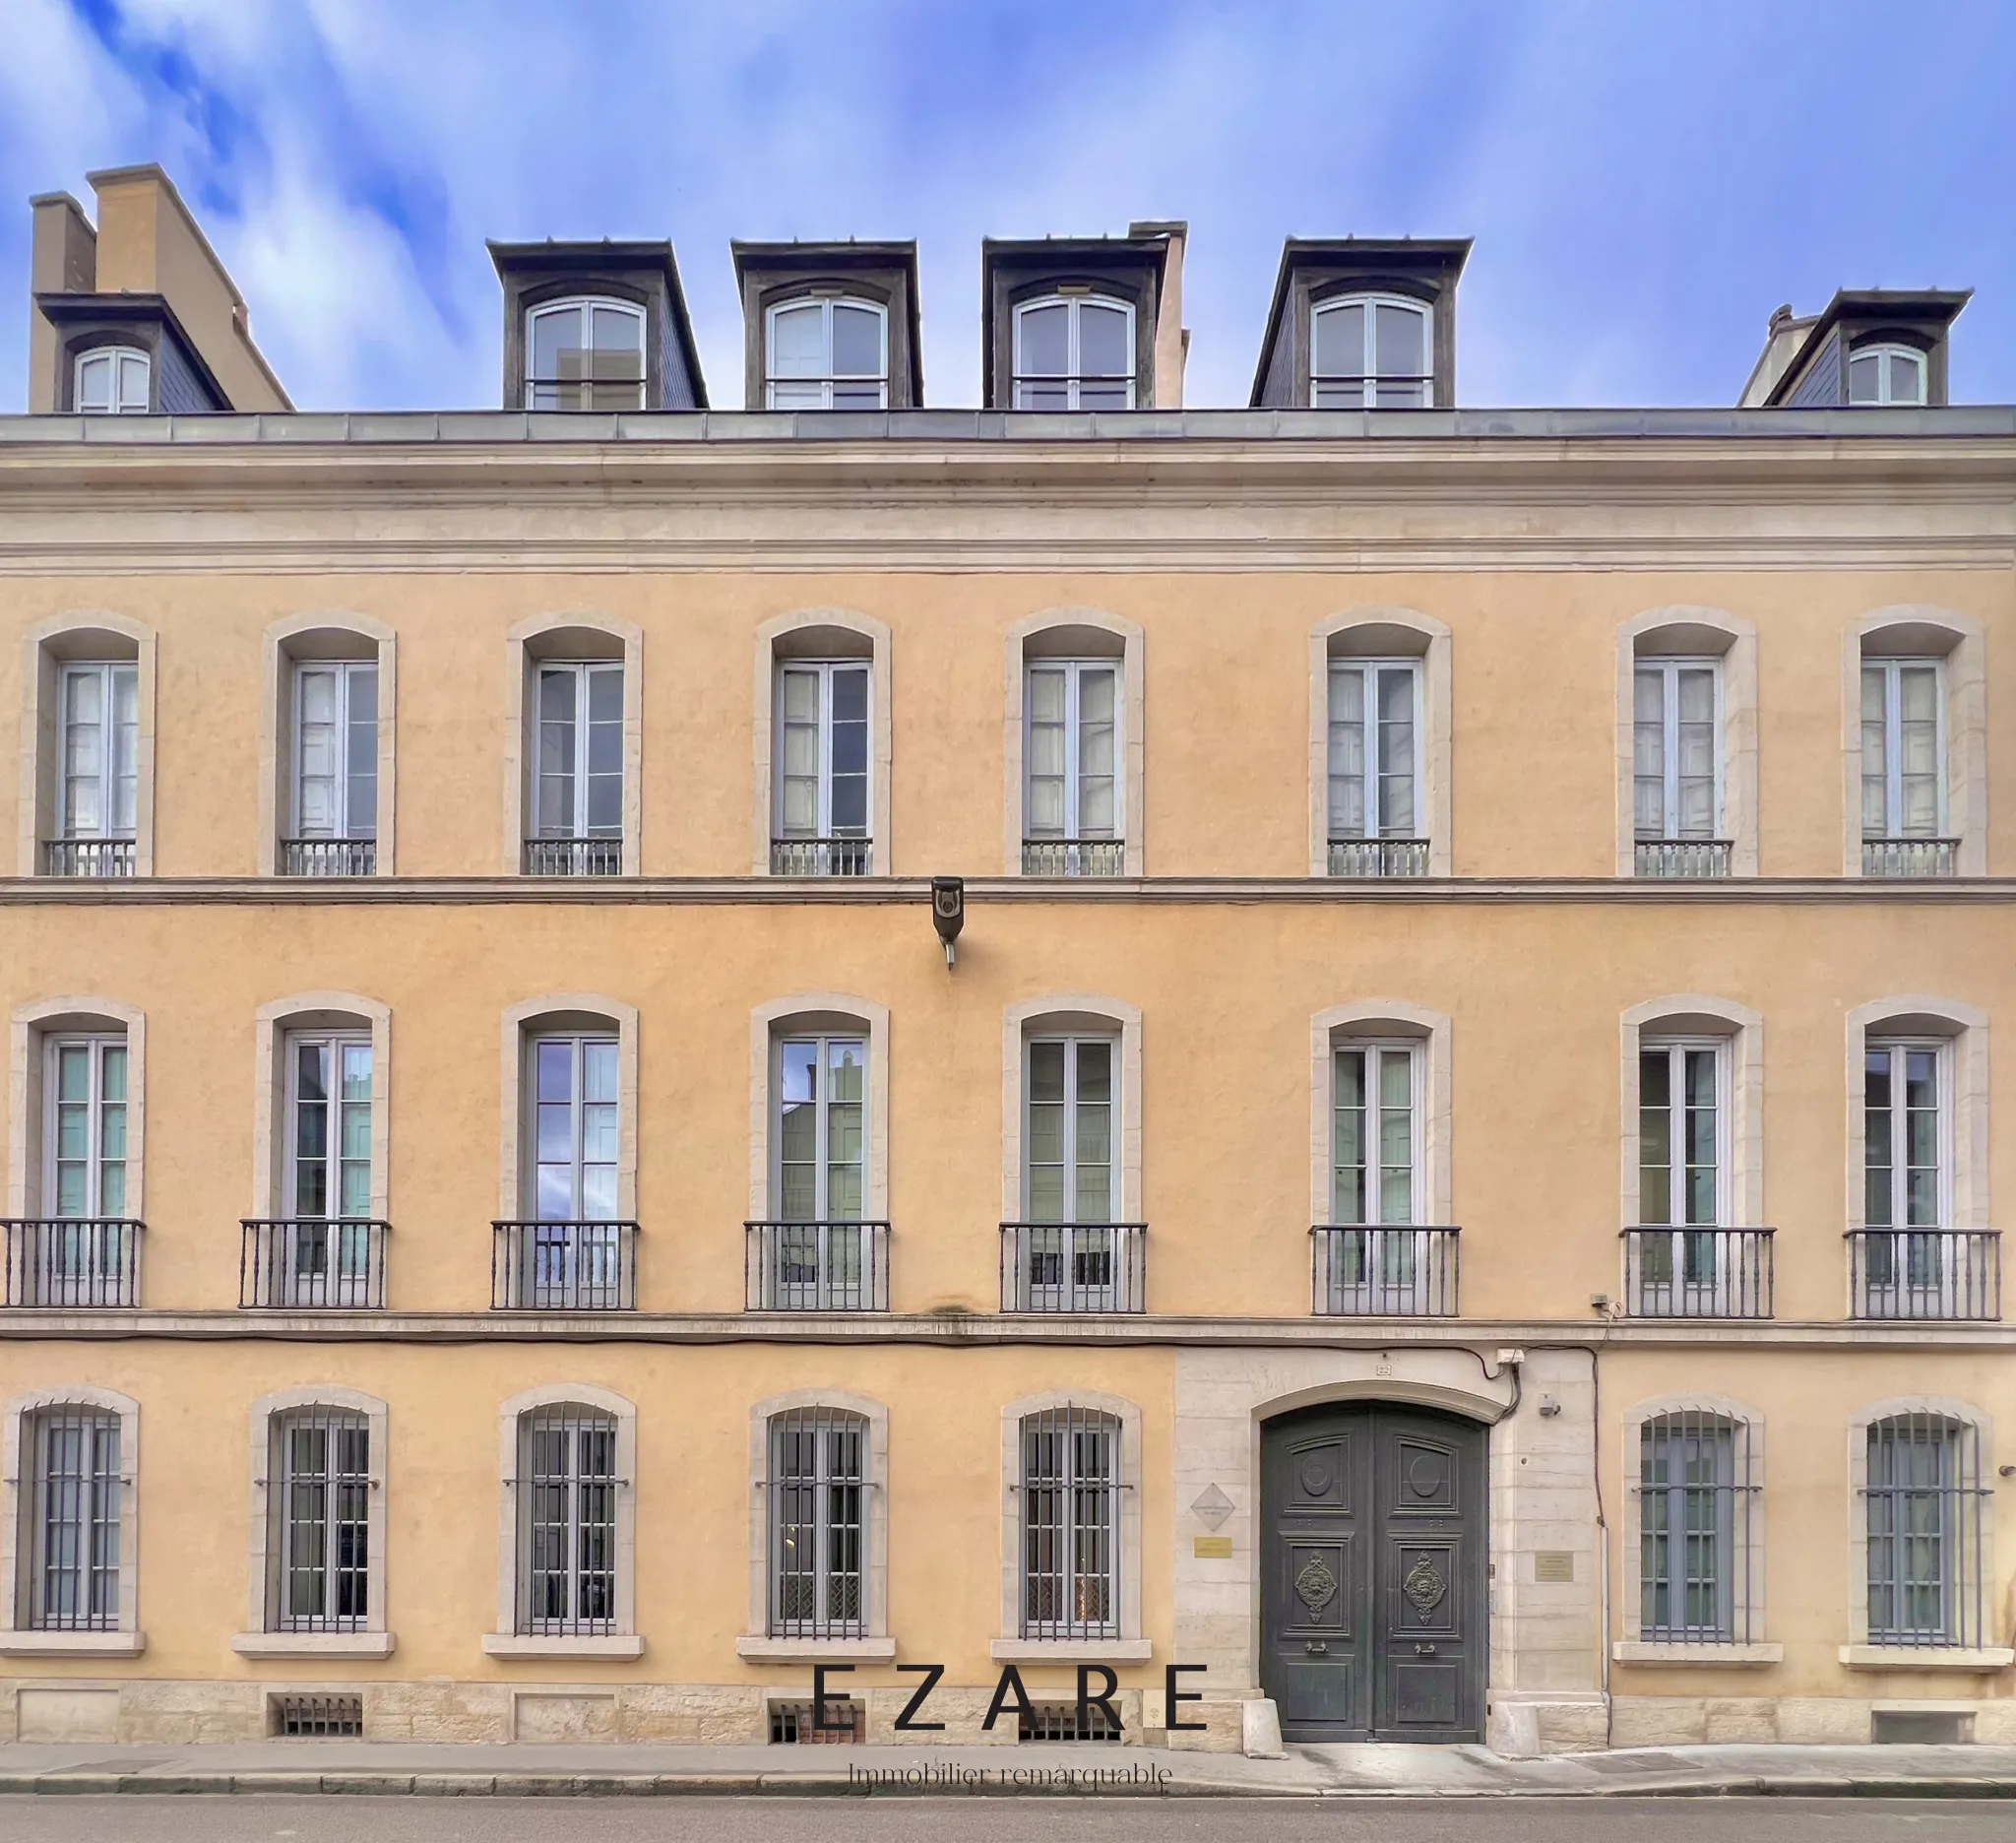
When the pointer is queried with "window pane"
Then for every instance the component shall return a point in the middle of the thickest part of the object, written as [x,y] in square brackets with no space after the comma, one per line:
[798,342]
[556,331]
[1907,378]
[1863,384]
[1102,342]
[619,331]
[1398,342]
[1042,340]
[1340,341]
[94,383]
[857,340]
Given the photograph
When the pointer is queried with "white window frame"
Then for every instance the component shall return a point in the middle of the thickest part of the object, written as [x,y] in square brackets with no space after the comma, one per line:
[1367,670]
[831,377]
[95,1044]
[824,1040]
[349,825]
[108,672]
[122,363]
[1073,377]
[1074,670]
[1893,667]
[1667,668]
[1072,1039]
[583,673]
[1898,1049]
[824,670]
[1683,1263]
[1675,1048]
[1369,381]
[584,305]
[332,1043]
[1886,353]
[1376,1050]
[579,1042]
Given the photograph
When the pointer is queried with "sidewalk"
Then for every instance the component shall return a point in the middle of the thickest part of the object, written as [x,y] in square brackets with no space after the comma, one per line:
[373,1768]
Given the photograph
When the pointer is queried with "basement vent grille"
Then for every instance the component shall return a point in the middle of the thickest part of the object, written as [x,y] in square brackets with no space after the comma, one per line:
[325,1717]
[1058,1721]
[790,1724]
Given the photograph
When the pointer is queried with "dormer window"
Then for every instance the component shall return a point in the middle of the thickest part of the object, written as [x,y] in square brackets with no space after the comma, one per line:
[585,354]
[112,381]
[827,354]
[1371,352]
[1074,352]
[1886,374]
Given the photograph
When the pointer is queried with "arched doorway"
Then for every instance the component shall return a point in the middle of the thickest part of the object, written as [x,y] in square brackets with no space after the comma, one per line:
[1375,1550]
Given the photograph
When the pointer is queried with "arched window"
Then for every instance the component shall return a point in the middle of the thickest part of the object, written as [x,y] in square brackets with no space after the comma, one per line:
[1929,1585]
[819,1477]
[112,381]
[1886,374]
[1074,352]
[827,354]
[1070,1489]
[1371,352]
[585,354]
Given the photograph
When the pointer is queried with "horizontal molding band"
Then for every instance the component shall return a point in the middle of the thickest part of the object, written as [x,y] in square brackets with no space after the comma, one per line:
[962,1330]
[842,892]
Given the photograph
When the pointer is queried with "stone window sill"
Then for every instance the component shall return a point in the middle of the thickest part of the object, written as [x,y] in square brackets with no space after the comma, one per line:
[1071,1650]
[1926,1658]
[816,1650]
[313,1644]
[1646,1651]
[542,1645]
[72,1643]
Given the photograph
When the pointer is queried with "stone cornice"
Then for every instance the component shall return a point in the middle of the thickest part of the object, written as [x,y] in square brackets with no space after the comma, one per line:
[961,1330]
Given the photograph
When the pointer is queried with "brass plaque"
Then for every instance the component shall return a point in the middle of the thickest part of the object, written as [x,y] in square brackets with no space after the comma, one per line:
[1554,1565]
[1212,1547]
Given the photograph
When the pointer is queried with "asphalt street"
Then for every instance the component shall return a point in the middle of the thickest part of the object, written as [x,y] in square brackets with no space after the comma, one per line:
[186,1819]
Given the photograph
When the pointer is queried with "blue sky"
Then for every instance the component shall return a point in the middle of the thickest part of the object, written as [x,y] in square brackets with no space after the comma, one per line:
[1646,179]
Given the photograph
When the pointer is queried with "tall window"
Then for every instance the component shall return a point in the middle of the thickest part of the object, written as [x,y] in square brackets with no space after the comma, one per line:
[818,1519]
[1069,1257]
[566,1490]
[1370,352]
[1695,1496]
[1376,767]
[325,1245]
[821,1128]
[1376,1259]
[1886,374]
[85,1170]
[579,771]
[585,354]
[828,355]
[318,1511]
[1070,1524]
[99,750]
[335,768]
[576,1122]
[1907,1166]
[70,1515]
[1904,749]
[1074,798]
[1682,1176]
[822,787]
[112,381]
[1927,1500]
[1074,353]
[1677,756]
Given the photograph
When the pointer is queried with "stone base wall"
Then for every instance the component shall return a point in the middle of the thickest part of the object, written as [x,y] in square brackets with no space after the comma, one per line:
[1809,1721]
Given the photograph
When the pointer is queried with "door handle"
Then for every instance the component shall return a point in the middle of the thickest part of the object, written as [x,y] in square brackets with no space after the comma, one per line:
[1425,1650]
[1315,1647]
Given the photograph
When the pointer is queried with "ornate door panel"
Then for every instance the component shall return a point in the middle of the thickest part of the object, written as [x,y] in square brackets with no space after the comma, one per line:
[1372,1596]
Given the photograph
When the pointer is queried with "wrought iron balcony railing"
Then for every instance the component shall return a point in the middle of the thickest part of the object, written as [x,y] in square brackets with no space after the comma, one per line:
[89,858]
[1378,857]
[816,1267]
[1680,857]
[1909,857]
[71,1260]
[563,1266]
[1074,1267]
[822,857]
[312,1264]
[1382,1270]
[329,857]
[1074,858]
[1924,1273]
[574,857]
[1697,1273]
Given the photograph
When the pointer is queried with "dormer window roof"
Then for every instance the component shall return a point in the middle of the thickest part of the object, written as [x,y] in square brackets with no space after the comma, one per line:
[830,325]
[1868,346]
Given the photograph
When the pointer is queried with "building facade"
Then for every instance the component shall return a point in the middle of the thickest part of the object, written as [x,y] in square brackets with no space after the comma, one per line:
[1443,1188]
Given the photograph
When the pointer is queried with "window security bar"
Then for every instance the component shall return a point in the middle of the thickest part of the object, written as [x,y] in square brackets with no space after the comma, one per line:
[89,858]
[1058,1721]
[816,1267]
[1074,1267]
[565,1580]
[1909,857]
[1927,1518]
[318,1521]
[315,1717]
[574,857]
[312,1263]
[1698,1492]
[1384,1271]
[1070,1524]
[822,857]
[1698,1273]
[328,857]
[69,1512]
[563,1266]
[71,1260]
[1378,857]
[1074,858]
[1682,857]
[1924,1273]
[818,1459]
